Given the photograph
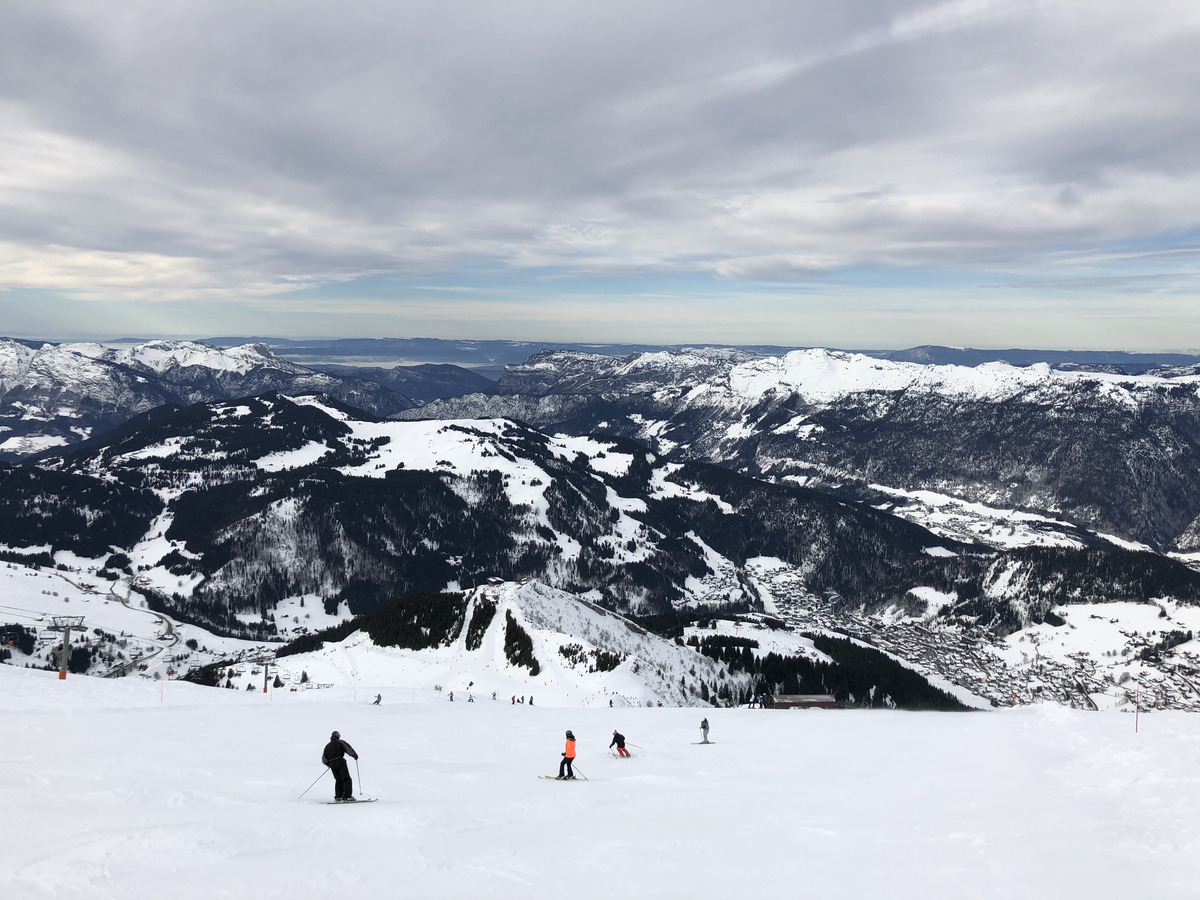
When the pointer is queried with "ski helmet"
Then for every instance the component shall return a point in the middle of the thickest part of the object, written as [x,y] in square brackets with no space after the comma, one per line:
[334,736]
[571,736]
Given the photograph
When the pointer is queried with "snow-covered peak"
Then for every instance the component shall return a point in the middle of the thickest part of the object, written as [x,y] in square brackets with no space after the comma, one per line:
[80,367]
[686,360]
[554,359]
[822,376]
[15,359]
[164,355]
[87,349]
[86,364]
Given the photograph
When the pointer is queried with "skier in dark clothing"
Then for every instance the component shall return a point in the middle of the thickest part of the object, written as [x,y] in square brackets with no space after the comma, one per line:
[619,740]
[334,756]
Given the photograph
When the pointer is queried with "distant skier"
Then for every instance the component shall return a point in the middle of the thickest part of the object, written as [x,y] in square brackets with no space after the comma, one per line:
[531,699]
[378,699]
[565,772]
[334,756]
[704,731]
[619,740]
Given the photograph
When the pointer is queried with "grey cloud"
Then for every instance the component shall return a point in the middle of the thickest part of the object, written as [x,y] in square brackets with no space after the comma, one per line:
[270,141]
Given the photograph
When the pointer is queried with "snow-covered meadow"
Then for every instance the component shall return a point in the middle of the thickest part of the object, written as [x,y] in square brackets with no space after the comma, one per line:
[128,788]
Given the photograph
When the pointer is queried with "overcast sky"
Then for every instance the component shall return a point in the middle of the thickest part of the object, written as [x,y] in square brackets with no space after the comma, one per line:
[854,174]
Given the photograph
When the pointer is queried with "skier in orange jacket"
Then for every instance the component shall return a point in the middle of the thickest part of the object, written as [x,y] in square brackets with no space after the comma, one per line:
[568,758]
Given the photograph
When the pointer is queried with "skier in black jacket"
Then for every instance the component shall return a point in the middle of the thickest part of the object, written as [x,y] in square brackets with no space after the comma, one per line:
[334,756]
[619,740]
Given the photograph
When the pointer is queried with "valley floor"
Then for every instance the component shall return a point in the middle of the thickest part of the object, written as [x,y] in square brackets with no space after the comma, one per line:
[130,788]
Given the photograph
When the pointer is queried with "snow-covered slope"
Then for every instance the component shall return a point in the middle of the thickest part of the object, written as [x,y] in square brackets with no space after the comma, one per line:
[121,634]
[567,635]
[193,793]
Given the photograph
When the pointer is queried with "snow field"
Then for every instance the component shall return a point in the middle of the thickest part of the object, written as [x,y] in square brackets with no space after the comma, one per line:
[130,789]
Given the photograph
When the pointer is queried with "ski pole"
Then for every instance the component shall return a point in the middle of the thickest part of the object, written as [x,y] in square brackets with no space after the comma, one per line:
[575,769]
[632,744]
[359,774]
[314,784]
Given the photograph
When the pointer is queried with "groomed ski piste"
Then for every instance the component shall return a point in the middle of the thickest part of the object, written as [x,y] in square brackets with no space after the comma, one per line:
[131,788]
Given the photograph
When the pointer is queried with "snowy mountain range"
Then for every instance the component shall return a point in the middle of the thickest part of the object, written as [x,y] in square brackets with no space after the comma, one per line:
[978,453]
[960,519]
[247,502]
[490,357]
[234,515]
[995,453]
[485,357]
[55,395]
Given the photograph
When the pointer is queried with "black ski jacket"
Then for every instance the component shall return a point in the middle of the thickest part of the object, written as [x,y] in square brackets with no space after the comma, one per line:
[336,750]
[618,739]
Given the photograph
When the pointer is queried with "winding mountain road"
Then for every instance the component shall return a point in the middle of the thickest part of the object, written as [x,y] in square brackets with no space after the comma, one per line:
[170,638]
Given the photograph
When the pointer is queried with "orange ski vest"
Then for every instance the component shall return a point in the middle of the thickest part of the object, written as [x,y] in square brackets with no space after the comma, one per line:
[570,749]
